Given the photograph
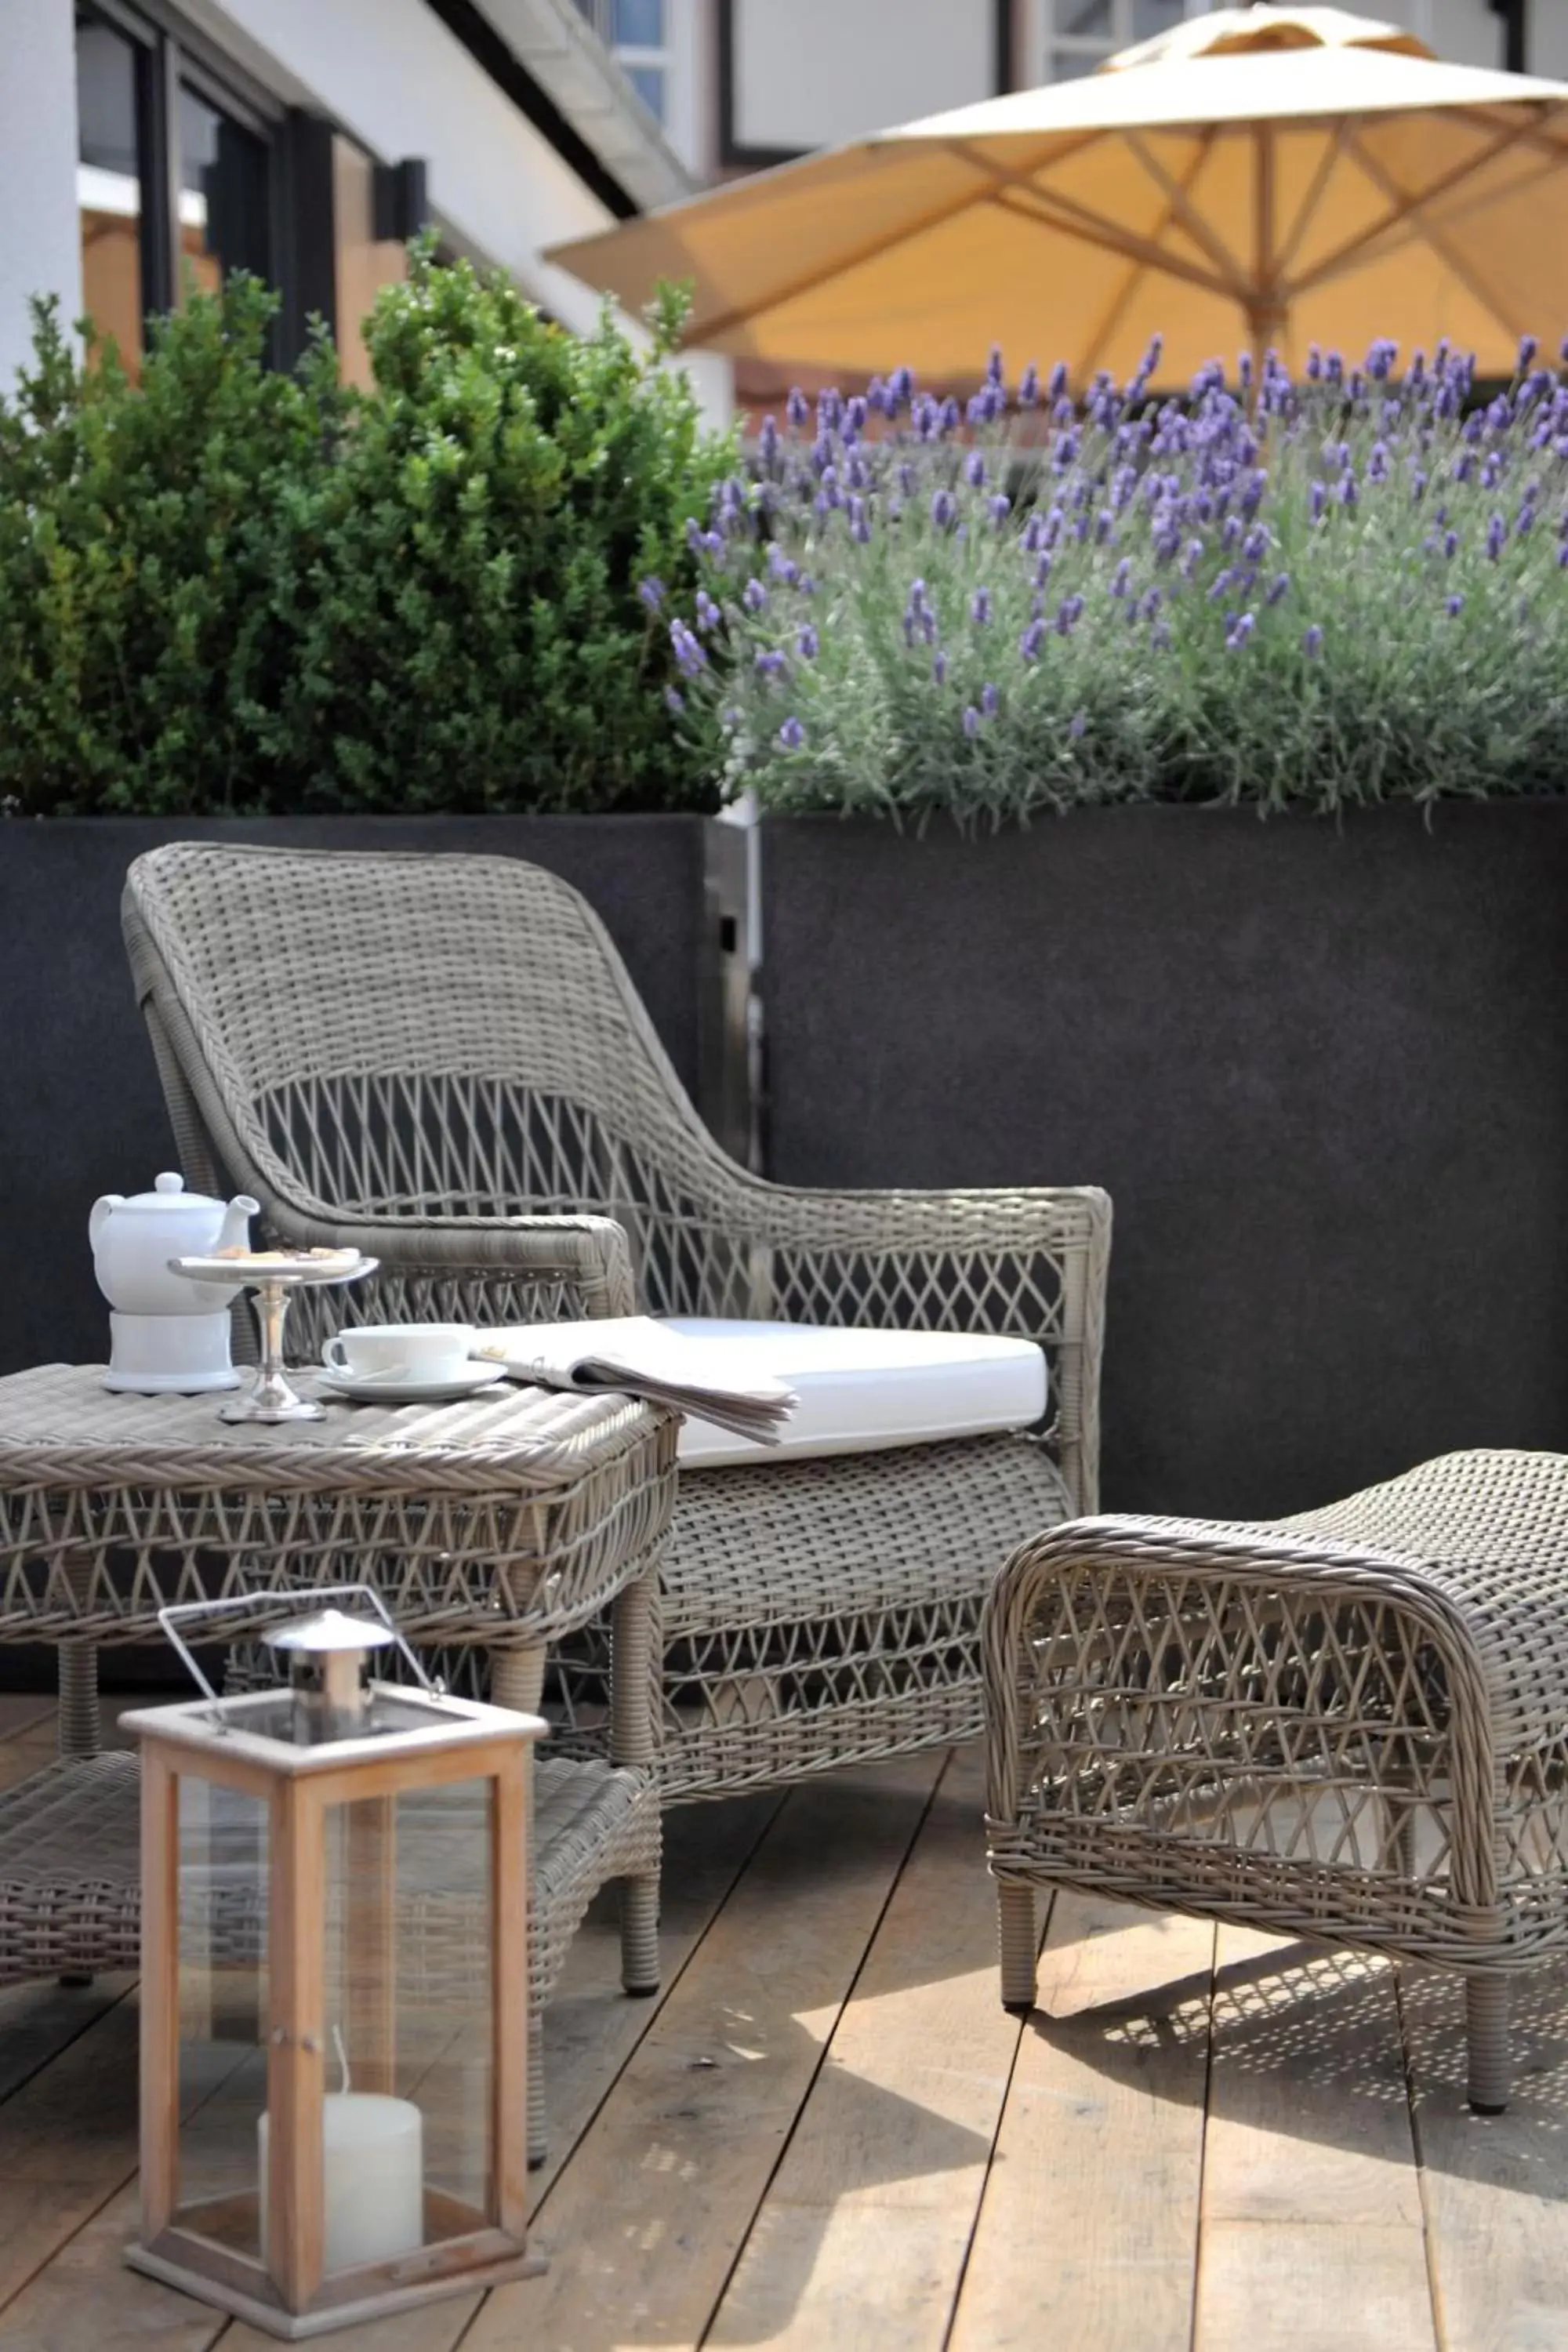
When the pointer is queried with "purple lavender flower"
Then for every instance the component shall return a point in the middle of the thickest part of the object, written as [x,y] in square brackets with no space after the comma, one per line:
[791,734]
[917,596]
[1151,604]
[993,366]
[808,643]
[980,607]
[1380,361]
[1122,577]
[1319,501]
[652,592]
[1029,387]
[1058,383]
[1192,558]
[1377,464]
[1314,365]
[1312,643]
[974,470]
[1456,606]
[907,479]
[754,596]
[690,657]
[782,566]
[990,700]
[902,387]
[769,664]
[859,522]
[1033,638]
[939,669]
[1528,347]
[1279,588]
[806,584]
[1000,507]
[943,510]
[795,408]
[708,612]
[1078,725]
[952,414]
[1497,535]
[674,700]
[1237,636]
[857,413]
[971,722]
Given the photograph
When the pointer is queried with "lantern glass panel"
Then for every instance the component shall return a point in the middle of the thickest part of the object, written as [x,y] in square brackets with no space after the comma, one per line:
[404,1905]
[409,1994]
[224,1860]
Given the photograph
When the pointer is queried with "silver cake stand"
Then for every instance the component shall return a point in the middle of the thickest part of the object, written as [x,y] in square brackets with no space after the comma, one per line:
[270,1396]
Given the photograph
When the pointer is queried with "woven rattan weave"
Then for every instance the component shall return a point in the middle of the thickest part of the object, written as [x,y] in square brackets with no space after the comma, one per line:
[443,1061]
[1351,1725]
[508,1521]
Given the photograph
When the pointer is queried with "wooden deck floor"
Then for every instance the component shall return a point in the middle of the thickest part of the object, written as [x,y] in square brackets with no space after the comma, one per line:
[827,2132]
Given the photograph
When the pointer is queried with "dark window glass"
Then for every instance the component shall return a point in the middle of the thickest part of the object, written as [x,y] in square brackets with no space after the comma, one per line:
[224,195]
[110,168]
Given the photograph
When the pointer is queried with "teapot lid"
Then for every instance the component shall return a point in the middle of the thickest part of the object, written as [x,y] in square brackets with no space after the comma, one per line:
[169,1193]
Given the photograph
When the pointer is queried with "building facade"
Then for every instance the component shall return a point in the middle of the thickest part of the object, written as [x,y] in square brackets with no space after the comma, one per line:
[149,144]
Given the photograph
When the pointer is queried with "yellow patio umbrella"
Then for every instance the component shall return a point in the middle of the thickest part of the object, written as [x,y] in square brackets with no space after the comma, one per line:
[1260,175]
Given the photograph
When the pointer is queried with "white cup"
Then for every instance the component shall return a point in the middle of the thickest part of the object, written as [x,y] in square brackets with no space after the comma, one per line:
[401,1352]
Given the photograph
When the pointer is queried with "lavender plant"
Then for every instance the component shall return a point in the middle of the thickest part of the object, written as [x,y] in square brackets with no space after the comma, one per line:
[1331,591]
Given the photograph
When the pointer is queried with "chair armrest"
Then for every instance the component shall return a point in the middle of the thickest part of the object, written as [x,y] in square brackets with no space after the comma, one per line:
[476,1269]
[1029,1263]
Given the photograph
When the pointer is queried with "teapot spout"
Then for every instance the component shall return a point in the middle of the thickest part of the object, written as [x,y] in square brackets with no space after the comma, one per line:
[236,1228]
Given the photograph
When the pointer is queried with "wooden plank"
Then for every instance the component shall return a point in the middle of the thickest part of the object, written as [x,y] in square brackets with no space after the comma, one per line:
[1493,2186]
[37,2021]
[1088,2231]
[1310,2176]
[643,2226]
[862,2237]
[85,2300]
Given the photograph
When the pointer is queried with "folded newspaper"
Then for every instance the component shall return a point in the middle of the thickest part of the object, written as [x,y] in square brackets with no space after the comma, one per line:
[631,1355]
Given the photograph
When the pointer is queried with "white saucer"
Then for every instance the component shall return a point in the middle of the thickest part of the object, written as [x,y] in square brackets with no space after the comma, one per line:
[370,1391]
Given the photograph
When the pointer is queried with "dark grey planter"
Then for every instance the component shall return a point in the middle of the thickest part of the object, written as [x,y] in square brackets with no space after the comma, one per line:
[82,1111]
[1322,1071]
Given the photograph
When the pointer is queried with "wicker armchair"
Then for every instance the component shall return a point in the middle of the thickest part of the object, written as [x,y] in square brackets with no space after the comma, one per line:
[444,1061]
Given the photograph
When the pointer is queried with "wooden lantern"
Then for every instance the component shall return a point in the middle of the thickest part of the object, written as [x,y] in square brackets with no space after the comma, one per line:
[334,1986]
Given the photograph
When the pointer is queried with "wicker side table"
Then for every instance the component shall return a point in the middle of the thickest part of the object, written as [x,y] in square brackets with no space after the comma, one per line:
[503,1521]
[1351,1725]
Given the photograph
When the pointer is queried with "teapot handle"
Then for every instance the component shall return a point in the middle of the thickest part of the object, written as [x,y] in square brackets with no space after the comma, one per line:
[99,1212]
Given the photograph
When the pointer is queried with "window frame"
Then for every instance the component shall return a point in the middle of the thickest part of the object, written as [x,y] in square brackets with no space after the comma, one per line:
[170,52]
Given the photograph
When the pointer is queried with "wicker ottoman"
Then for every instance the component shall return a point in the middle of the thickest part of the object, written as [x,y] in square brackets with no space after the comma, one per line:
[1351,1725]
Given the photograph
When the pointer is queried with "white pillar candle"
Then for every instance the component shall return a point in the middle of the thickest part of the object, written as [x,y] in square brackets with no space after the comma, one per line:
[372,2178]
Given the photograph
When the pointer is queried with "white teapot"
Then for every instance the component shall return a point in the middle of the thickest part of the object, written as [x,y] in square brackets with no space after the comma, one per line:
[166,1334]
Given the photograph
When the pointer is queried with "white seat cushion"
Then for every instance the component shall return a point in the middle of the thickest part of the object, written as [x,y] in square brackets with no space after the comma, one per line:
[863,1391]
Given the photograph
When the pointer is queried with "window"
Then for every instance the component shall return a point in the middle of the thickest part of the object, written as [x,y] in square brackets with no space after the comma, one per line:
[112,75]
[224,193]
[638,33]
[174,172]
[1079,34]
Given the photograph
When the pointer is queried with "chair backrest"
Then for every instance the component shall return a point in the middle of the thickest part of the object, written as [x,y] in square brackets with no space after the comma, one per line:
[381,1034]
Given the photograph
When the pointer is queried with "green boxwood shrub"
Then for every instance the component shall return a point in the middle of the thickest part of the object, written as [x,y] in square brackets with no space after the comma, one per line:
[236,590]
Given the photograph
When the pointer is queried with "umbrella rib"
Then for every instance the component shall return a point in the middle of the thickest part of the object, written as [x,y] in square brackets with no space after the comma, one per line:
[743,313]
[1050,211]
[1415,209]
[1313,198]
[1402,206]
[1137,271]
[1192,220]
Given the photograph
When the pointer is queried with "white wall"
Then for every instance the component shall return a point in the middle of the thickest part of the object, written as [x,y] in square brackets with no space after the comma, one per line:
[813,72]
[40,252]
[393,74]
[1546,30]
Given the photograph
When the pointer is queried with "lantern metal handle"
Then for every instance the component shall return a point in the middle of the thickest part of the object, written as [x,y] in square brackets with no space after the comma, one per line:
[291,1603]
